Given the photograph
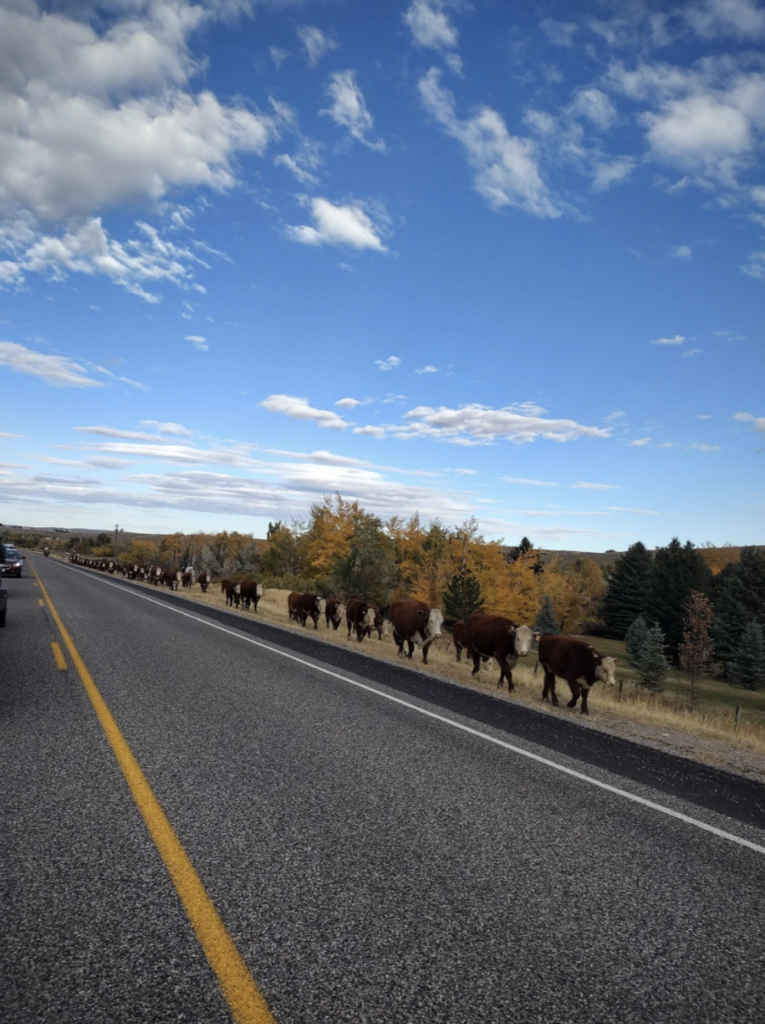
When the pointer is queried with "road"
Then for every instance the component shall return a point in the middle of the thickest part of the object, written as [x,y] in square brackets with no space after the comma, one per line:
[371,855]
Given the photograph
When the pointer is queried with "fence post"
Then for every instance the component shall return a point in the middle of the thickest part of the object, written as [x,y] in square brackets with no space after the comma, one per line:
[738,715]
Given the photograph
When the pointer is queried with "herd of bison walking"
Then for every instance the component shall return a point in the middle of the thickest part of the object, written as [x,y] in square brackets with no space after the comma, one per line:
[413,623]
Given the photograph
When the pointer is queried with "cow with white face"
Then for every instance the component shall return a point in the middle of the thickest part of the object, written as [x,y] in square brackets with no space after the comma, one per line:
[415,623]
[578,663]
[494,636]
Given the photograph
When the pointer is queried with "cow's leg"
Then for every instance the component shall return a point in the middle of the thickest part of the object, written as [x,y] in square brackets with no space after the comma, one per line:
[575,691]
[585,691]
[410,645]
[458,649]
[476,662]
[505,672]
[549,688]
[315,618]
[425,649]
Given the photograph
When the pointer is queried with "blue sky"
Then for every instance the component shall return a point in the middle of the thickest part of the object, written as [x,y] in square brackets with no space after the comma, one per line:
[448,257]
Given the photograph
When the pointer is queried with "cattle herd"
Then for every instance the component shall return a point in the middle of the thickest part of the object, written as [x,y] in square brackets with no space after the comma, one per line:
[413,623]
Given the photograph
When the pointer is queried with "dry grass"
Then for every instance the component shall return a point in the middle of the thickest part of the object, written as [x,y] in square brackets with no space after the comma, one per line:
[709,734]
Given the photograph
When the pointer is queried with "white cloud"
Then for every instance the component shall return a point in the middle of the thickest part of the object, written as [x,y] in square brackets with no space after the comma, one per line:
[387,364]
[636,511]
[594,105]
[480,424]
[755,267]
[340,225]
[370,431]
[505,166]
[348,403]
[704,416]
[617,414]
[135,435]
[317,44]
[758,422]
[527,483]
[107,463]
[299,409]
[349,108]
[689,353]
[199,342]
[680,252]
[57,371]
[699,446]
[677,339]
[176,429]
[730,335]
[5,434]
[640,442]
[581,486]
[278,56]
[427,369]
[742,18]
[430,25]
[560,33]
[99,116]
[606,173]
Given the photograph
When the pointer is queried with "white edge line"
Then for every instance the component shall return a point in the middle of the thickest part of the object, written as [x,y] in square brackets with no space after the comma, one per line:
[721,833]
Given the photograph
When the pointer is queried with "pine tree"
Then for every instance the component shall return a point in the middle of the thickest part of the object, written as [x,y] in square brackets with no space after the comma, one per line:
[462,595]
[739,597]
[747,668]
[545,620]
[677,571]
[653,665]
[696,649]
[634,642]
[627,595]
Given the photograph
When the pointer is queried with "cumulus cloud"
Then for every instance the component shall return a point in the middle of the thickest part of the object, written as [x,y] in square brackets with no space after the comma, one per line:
[594,105]
[347,403]
[370,431]
[427,369]
[505,166]
[58,371]
[349,109]
[299,409]
[387,364]
[607,173]
[680,252]
[176,429]
[317,44]
[689,353]
[640,442]
[742,18]
[677,339]
[480,424]
[432,29]
[99,116]
[198,341]
[349,225]
[757,422]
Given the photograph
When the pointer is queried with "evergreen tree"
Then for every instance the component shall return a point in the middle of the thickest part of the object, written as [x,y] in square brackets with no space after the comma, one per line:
[653,665]
[677,570]
[525,548]
[697,649]
[627,595]
[545,620]
[462,595]
[369,569]
[634,642]
[739,598]
[747,668]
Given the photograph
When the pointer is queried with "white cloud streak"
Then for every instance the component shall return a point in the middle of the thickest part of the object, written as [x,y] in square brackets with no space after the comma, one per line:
[299,409]
[317,44]
[58,371]
[348,225]
[349,109]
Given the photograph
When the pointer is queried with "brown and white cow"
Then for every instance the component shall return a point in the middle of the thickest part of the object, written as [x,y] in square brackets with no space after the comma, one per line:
[231,590]
[333,612]
[494,636]
[293,605]
[204,579]
[310,606]
[250,592]
[414,622]
[187,579]
[578,663]
[356,615]
[379,623]
[172,578]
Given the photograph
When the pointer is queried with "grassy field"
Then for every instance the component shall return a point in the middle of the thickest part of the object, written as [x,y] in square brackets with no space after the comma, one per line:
[634,711]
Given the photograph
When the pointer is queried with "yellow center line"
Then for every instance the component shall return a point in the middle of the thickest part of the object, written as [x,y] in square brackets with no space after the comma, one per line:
[41,602]
[245,1000]
[58,654]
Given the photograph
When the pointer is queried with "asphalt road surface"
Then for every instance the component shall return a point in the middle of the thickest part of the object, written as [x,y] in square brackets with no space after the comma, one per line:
[370,863]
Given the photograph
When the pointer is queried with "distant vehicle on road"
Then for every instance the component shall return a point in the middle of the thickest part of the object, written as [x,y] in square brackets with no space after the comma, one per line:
[11,564]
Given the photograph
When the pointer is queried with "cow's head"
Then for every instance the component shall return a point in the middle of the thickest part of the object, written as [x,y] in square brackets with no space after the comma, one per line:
[321,604]
[435,622]
[339,612]
[383,625]
[605,671]
[259,590]
[369,617]
[523,638]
